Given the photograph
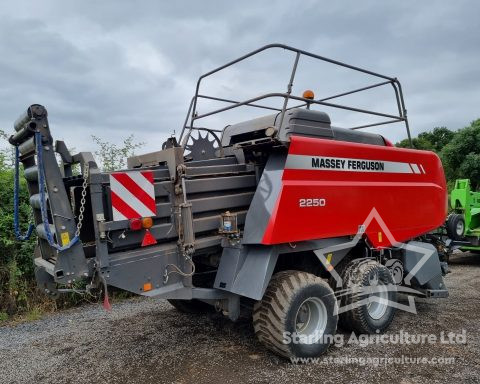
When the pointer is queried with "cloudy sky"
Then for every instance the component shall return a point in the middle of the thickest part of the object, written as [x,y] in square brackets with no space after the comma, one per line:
[112,68]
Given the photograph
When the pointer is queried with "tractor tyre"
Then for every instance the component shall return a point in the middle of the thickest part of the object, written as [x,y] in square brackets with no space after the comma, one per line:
[296,316]
[368,297]
[339,289]
[341,293]
[455,226]
[191,306]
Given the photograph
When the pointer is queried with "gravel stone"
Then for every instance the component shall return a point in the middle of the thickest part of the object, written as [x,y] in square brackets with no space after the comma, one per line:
[147,341]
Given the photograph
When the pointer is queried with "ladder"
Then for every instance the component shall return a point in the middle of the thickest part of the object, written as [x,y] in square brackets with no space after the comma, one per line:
[59,254]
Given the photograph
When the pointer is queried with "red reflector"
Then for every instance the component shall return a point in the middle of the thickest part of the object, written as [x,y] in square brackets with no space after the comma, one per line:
[148,239]
[136,224]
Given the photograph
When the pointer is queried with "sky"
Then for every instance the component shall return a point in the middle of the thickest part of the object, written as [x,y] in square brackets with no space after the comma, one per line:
[115,68]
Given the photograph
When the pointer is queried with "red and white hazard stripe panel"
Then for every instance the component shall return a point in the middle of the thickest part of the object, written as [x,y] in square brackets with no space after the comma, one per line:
[133,195]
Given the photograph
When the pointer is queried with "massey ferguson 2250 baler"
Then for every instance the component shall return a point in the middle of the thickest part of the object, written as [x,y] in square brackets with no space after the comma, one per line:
[284,216]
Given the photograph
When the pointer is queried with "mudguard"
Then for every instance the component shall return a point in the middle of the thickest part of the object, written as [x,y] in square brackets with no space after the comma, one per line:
[328,189]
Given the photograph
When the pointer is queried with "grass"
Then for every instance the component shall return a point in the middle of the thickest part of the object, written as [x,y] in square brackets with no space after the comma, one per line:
[3,317]
[40,305]
[34,314]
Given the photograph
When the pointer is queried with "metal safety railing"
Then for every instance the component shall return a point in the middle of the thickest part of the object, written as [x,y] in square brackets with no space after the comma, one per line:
[193,115]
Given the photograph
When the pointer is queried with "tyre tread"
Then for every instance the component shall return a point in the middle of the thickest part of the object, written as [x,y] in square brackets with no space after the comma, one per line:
[269,314]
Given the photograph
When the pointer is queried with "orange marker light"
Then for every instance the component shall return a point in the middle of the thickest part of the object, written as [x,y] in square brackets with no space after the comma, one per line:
[147,287]
[147,222]
[308,94]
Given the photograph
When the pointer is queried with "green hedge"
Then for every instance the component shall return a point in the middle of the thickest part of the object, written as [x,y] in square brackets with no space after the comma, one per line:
[16,267]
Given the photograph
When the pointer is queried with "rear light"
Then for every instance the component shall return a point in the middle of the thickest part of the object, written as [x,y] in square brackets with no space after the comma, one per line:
[147,222]
[138,224]
[135,224]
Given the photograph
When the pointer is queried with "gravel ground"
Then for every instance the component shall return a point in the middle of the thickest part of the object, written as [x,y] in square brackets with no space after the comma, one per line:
[146,340]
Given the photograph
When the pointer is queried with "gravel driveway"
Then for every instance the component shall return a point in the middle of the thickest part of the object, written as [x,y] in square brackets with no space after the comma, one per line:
[147,341]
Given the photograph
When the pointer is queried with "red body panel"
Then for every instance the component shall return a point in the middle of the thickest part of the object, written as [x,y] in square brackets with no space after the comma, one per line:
[411,201]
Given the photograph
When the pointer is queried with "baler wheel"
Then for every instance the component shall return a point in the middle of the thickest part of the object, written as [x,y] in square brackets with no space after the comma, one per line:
[298,305]
[369,289]
[191,306]
[340,269]
[455,226]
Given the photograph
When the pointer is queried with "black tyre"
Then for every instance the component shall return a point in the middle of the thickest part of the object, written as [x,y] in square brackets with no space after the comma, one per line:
[455,226]
[341,270]
[296,317]
[191,306]
[369,293]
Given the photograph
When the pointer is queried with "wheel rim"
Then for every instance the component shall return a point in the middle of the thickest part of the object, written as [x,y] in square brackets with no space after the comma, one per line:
[377,308]
[460,228]
[311,320]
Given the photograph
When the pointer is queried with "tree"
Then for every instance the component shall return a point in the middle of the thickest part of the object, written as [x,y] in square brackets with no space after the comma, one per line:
[113,157]
[430,141]
[461,157]
[6,153]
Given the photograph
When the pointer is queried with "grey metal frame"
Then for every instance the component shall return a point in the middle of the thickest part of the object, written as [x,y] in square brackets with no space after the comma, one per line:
[192,114]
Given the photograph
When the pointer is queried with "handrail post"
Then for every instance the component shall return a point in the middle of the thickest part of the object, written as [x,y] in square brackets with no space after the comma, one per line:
[404,112]
[186,120]
[289,88]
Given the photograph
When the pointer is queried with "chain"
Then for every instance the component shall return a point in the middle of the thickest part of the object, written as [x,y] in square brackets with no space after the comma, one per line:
[82,200]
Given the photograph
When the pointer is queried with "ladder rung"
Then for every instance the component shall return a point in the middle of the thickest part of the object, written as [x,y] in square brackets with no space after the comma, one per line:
[41,231]
[35,200]
[31,173]
[49,267]
[27,146]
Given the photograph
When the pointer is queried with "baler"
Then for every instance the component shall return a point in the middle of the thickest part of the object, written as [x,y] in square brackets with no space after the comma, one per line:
[286,218]
[463,223]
